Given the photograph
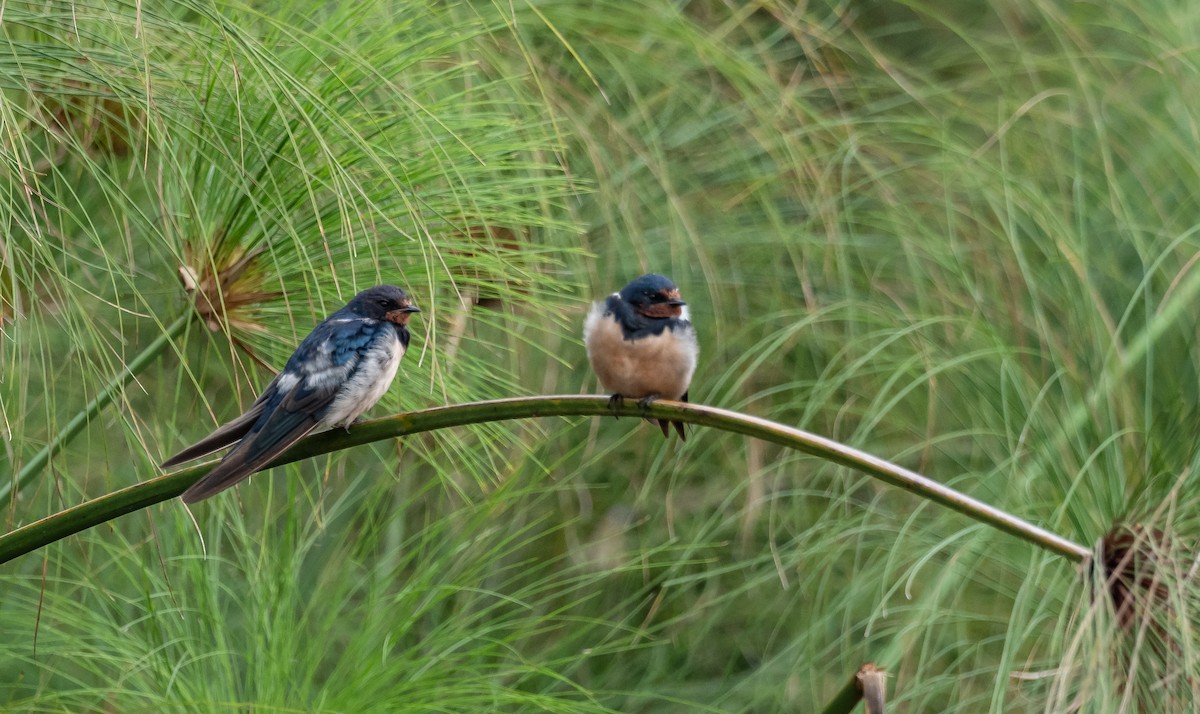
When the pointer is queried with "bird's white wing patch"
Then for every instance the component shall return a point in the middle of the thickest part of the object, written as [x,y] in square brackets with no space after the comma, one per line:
[286,382]
[593,318]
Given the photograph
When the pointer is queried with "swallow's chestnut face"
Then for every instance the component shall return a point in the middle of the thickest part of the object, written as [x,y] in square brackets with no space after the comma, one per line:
[654,296]
[384,302]
[401,314]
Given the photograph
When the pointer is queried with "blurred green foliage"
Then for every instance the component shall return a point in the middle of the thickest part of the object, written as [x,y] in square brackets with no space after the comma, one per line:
[960,237]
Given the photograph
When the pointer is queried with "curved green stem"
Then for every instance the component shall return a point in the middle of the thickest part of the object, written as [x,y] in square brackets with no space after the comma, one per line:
[73,520]
[34,466]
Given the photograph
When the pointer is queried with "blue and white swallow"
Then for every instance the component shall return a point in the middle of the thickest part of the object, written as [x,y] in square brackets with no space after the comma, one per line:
[641,344]
[338,372]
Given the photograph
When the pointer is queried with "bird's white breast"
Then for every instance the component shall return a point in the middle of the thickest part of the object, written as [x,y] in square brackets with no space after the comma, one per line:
[368,381]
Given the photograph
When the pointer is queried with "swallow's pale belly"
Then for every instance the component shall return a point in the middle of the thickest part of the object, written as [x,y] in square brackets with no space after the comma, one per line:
[659,364]
[368,383]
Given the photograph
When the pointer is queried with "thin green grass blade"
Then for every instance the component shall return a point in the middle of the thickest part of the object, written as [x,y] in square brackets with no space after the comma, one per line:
[30,469]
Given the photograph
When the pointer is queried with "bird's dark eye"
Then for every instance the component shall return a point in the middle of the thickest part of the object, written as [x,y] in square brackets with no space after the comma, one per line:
[384,303]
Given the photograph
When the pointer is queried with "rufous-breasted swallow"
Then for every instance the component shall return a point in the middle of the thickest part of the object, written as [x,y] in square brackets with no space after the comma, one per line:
[641,344]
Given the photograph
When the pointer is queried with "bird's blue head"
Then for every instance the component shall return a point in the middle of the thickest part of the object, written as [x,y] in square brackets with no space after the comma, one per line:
[383,302]
[653,296]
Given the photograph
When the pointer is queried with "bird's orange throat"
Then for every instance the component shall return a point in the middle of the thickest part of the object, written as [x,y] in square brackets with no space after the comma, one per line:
[400,317]
[661,311]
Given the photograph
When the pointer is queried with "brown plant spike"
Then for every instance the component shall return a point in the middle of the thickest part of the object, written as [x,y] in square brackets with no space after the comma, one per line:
[1132,557]
[872,682]
[500,241]
[1144,571]
[217,293]
[88,114]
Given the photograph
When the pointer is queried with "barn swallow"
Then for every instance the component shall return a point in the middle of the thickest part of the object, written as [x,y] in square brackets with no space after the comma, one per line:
[338,372]
[641,344]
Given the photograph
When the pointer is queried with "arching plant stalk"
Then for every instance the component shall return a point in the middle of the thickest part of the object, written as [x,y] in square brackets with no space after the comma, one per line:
[73,520]
[34,466]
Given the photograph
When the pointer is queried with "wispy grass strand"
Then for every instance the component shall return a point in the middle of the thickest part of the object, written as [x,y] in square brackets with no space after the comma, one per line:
[34,466]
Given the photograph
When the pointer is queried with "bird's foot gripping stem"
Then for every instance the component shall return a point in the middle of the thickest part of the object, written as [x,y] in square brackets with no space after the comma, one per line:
[615,402]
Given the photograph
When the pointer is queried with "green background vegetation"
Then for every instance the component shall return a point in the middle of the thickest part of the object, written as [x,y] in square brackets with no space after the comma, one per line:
[960,236]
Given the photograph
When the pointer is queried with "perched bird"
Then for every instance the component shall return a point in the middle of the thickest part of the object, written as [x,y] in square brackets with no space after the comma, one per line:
[641,344]
[338,372]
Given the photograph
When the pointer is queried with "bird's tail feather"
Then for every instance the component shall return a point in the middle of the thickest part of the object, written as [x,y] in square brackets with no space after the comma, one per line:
[224,436]
[664,424]
[242,462]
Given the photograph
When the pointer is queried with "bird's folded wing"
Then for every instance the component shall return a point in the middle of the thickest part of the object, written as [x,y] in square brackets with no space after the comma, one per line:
[225,435]
[286,418]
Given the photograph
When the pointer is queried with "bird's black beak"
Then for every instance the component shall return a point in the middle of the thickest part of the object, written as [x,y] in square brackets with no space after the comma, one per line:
[676,303]
[410,308]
